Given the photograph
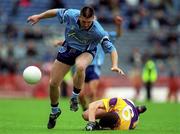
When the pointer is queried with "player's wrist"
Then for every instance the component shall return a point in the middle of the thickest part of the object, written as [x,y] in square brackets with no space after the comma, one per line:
[40,16]
[91,125]
[114,66]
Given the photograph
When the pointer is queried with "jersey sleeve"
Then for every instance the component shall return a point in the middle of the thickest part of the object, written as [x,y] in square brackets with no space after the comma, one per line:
[63,15]
[106,44]
[106,104]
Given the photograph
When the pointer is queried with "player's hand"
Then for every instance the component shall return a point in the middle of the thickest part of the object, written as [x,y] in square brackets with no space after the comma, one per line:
[91,126]
[57,43]
[117,69]
[118,20]
[33,19]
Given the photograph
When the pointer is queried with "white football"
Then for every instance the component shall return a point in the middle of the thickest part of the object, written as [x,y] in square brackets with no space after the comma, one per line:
[32,75]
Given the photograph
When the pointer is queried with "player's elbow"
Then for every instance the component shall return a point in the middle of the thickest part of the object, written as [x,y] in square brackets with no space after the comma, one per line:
[85,114]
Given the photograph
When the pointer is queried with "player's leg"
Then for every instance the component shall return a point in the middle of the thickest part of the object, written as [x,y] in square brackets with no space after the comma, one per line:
[148,88]
[169,94]
[82,98]
[176,95]
[58,72]
[81,63]
[93,86]
[92,81]
[89,96]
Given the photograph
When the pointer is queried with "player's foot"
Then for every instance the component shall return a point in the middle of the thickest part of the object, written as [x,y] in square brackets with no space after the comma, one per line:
[141,109]
[74,104]
[52,119]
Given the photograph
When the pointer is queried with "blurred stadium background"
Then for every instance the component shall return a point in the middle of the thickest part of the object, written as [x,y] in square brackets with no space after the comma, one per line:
[150,29]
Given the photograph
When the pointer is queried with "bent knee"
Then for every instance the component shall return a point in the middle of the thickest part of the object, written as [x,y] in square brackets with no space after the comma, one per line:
[80,67]
[54,84]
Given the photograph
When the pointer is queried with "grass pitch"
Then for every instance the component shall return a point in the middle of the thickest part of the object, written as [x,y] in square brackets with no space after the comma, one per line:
[30,116]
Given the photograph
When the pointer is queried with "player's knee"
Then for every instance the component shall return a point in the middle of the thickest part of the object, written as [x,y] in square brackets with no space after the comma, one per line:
[54,84]
[80,67]
[85,115]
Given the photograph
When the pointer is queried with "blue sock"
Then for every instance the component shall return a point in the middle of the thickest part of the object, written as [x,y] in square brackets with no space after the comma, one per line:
[54,110]
[74,95]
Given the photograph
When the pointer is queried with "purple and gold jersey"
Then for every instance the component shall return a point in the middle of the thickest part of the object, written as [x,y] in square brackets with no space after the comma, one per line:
[126,110]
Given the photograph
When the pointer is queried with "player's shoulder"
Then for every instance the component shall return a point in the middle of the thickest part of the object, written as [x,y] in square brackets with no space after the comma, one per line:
[97,26]
[105,100]
[98,29]
[69,12]
[73,12]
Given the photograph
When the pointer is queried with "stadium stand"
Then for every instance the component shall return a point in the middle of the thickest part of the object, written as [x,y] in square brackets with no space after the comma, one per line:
[153,33]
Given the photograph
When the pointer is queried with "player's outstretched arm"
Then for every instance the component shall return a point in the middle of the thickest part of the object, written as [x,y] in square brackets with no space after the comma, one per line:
[118,20]
[114,59]
[47,14]
[57,43]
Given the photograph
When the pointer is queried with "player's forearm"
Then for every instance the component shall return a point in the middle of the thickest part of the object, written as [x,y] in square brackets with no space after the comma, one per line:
[118,30]
[118,23]
[93,108]
[92,111]
[48,14]
[114,58]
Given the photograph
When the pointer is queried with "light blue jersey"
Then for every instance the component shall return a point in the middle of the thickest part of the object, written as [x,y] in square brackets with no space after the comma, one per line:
[100,55]
[93,71]
[82,39]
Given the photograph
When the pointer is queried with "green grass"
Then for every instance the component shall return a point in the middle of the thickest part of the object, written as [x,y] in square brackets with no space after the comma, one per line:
[24,116]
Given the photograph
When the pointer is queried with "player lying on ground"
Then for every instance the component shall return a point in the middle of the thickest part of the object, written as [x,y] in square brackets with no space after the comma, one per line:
[113,113]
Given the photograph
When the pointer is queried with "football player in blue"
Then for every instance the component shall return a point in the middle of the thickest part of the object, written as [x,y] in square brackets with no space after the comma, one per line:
[93,71]
[92,79]
[82,35]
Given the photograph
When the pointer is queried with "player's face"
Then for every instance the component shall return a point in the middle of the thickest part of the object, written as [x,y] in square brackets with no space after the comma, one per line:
[85,23]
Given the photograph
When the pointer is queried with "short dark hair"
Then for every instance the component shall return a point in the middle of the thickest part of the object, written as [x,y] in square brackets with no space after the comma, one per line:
[109,120]
[87,12]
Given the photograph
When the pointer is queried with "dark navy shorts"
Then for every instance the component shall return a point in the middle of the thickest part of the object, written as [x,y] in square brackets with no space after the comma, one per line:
[92,73]
[67,54]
